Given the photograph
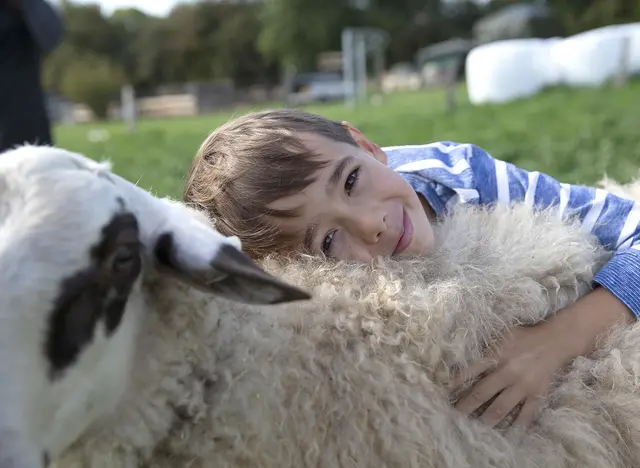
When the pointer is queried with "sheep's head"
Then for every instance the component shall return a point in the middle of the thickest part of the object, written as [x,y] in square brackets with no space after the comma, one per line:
[75,240]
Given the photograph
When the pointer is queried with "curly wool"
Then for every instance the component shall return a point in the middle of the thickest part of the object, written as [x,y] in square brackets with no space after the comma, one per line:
[358,376]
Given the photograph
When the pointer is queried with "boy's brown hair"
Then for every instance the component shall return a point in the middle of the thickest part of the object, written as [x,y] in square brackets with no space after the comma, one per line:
[252,161]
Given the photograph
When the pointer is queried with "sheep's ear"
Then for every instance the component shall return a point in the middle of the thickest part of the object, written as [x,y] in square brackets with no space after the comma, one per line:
[16,450]
[226,272]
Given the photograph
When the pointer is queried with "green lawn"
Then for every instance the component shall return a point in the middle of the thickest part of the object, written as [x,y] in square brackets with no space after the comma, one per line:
[574,135]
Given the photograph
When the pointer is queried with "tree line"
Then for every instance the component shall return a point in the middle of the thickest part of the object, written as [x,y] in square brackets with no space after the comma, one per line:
[252,41]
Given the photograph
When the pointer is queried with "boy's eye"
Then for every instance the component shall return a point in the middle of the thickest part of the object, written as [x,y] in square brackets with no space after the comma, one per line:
[352,178]
[349,184]
[326,243]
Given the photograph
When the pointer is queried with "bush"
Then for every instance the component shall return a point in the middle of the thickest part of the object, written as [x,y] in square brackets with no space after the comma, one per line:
[94,81]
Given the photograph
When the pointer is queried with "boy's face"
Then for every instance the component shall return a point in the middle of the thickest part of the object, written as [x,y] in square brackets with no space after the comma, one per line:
[358,208]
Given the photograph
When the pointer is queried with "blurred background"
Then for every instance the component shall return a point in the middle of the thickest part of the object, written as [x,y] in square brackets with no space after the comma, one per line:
[550,85]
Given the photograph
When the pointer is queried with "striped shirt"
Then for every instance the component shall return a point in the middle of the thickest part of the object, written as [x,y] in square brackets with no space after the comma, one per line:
[447,173]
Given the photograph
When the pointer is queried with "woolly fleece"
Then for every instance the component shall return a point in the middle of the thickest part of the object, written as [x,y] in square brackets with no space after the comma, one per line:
[358,376]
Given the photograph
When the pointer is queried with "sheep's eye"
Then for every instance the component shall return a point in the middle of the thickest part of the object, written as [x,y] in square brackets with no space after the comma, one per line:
[125,259]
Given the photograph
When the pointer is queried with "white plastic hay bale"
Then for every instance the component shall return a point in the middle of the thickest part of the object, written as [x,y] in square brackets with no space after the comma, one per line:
[505,70]
[593,57]
[547,67]
[632,31]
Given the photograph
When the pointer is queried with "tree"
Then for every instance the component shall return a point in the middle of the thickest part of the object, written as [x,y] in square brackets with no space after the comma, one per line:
[236,54]
[294,32]
[57,65]
[93,80]
[87,34]
[132,30]
[582,15]
[215,40]
[88,30]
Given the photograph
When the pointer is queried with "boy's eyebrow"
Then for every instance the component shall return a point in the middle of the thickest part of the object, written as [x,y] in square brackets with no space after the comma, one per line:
[336,175]
[307,243]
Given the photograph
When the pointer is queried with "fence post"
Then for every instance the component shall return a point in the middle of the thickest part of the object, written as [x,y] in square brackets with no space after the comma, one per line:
[128,107]
[622,76]
[348,69]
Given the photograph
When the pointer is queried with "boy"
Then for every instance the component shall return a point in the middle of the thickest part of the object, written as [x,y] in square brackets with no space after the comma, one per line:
[287,180]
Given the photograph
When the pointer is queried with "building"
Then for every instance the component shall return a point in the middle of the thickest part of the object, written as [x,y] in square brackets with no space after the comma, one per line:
[524,20]
[439,63]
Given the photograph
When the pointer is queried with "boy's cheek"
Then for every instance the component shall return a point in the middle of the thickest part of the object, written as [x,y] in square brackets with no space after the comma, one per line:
[427,238]
[432,242]
[423,242]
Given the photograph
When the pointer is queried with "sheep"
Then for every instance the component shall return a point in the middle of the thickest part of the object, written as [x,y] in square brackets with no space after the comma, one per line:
[75,242]
[359,376]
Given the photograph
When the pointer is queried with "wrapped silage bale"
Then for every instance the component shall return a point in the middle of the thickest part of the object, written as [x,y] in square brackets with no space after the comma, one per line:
[593,57]
[549,71]
[632,31]
[503,71]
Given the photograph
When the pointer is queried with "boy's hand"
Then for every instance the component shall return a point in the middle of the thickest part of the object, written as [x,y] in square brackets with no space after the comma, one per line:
[527,362]
[522,368]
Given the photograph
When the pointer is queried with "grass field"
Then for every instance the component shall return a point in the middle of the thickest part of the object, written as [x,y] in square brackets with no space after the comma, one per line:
[574,135]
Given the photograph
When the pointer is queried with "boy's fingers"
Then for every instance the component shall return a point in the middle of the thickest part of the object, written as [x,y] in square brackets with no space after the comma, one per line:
[528,412]
[480,393]
[502,406]
[472,372]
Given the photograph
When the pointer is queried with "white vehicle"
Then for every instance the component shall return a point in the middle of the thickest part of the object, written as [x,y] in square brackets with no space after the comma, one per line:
[317,87]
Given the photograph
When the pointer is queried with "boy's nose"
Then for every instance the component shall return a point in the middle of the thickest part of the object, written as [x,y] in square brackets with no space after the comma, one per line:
[370,225]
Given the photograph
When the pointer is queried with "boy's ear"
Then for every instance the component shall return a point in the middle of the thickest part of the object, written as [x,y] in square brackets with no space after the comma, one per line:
[371,148]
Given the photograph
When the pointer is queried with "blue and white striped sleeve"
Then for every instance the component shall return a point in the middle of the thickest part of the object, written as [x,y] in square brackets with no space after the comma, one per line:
[469,171]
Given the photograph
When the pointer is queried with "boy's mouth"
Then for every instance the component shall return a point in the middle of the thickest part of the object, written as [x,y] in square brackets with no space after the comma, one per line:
[406,234]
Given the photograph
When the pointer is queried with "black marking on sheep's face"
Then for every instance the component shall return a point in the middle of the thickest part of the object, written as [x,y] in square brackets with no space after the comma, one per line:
[98,293]
[231,274]
[45,459]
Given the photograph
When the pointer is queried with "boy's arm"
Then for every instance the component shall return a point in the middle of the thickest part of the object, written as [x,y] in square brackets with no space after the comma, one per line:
[529,359]
[615,221]
[448,173]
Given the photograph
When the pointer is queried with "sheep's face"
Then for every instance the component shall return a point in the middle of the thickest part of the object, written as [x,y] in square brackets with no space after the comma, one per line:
[75,240]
